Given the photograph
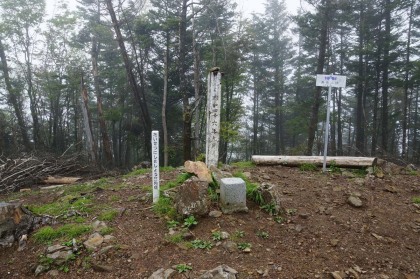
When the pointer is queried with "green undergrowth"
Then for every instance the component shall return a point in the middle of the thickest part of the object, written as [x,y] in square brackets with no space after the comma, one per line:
[68,231]
[148,170]
[181,178]
[308,167]
[108,215]
[252,192]
[416,200]
[66,204]
[243,164]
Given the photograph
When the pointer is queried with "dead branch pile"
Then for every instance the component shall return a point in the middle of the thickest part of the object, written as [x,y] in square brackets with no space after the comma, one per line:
[29,170]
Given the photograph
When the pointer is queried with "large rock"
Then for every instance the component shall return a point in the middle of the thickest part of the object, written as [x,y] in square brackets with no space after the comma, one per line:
[199,169]
[192,198]
[15,222]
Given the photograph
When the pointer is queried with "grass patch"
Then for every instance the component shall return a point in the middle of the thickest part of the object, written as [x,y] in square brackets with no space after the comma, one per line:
[65,204]
[308,167]
[164,207]
[166,169]
[244,164]
[416,200]
[108,215]
[106,230]
[175,238]
[181,178]
[137,172]
[67,231]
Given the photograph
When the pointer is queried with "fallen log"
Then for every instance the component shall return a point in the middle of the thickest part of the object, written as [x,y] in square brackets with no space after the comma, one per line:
[60,180]
[295,161]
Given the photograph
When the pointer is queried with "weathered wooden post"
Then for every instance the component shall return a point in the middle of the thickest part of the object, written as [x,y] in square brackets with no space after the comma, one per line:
[155,165]
[214,96]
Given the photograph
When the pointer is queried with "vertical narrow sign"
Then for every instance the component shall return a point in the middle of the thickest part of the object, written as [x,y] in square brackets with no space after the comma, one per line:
[213,117]
[329,81]
[155,165]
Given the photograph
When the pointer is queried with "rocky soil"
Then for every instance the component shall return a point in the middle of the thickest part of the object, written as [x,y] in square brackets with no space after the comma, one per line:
[335,225]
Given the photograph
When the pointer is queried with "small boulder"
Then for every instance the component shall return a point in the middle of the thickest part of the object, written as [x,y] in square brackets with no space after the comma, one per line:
[192,198]
[355,201]
[222,271]
[163,274]
[199,169]
[94,241]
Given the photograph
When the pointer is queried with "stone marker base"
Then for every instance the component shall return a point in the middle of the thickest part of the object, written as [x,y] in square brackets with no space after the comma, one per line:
[233,195]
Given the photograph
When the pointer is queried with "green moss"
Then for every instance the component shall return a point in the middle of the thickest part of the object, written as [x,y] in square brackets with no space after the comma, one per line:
[106,230]
[64,205]
[416,200]
[67,231]
[243,164]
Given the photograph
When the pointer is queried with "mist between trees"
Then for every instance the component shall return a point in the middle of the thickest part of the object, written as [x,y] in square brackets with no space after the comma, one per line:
[98,79]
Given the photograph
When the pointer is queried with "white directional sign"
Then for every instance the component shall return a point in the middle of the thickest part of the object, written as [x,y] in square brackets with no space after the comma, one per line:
[330,80]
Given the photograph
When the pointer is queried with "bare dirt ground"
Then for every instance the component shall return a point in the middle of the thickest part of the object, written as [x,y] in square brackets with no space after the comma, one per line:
[318,232]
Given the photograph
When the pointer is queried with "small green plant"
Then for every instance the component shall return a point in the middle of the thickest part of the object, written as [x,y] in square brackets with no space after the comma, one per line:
[201,157]
[201,244]
[360,172]
[190,222]
[171,224]
[308,167]
[106,230]
[270,208]
[333,167]
[181,268]
[262,234]
[68,243]
[114,198]
[108,215]
[416,200]
[291,211]
[214,197]
[239,234]
[278,219]
[244,245]
[175,238]
[216,236]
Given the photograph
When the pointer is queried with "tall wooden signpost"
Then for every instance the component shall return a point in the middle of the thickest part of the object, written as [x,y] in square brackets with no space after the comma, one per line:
[214,96]
[329,81]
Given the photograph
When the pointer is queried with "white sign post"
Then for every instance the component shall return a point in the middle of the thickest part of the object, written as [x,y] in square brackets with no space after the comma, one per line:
[329,81]
[214,94]
[155,165]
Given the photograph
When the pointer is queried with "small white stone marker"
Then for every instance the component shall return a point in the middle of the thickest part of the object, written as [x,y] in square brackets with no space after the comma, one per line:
[214,96]
[233,195]
[155,165]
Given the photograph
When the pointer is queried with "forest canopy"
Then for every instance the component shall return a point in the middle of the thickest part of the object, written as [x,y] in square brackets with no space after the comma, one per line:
[96,80]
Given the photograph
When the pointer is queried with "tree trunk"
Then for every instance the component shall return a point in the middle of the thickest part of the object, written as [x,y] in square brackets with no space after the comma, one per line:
[325,6]
[164,101]
[360,119]
[139,95]
[102,125]
[406,85]
[187,113]
[13,99]
[91,144]
[385,76]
